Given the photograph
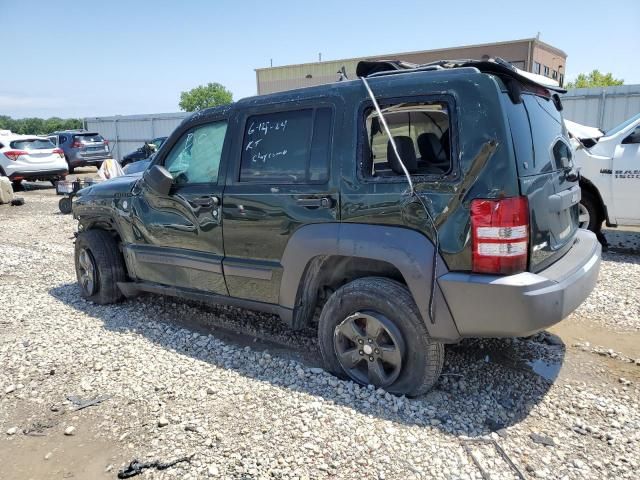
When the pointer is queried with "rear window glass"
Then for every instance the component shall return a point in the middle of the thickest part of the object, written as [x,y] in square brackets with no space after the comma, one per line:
[88,137]
[32,144]
[421,133]
[536,127]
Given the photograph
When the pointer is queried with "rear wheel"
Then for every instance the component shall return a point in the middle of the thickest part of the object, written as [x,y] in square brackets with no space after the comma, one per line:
[371,332]
[99,267]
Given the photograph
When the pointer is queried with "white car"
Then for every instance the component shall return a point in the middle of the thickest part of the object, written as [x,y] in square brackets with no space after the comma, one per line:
[609,165]
[30,157]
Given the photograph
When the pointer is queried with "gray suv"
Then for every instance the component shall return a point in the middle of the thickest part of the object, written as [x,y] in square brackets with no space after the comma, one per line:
[81,148]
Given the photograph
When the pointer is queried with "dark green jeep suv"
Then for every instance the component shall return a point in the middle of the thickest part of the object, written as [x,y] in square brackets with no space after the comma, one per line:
[414,206]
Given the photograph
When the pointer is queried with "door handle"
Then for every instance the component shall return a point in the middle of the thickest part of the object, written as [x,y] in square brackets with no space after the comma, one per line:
[320,202]
[207,201]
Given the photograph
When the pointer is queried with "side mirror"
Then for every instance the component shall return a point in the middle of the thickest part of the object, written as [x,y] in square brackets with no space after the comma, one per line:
[158,179]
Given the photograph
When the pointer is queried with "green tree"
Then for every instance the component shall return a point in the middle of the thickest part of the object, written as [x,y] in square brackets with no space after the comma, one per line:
[594,79]
[205,96]
[38,126]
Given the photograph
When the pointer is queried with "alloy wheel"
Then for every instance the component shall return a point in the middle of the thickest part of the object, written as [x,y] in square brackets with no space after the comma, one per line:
[87,270]
[369,348]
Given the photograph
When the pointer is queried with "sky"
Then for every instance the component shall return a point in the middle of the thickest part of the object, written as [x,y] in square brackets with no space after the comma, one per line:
[86,59]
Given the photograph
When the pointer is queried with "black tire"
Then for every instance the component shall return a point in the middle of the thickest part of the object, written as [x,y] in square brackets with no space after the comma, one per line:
[422,358]
[65,205]
[104,254]
[590,204]
[71,169]
[17,186]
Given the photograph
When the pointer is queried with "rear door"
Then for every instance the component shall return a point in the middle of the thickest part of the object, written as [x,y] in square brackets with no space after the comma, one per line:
[545,165]
[40,151]
[91,144]
[278,180]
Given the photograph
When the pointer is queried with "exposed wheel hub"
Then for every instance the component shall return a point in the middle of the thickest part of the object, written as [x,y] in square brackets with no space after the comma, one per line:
[370,348]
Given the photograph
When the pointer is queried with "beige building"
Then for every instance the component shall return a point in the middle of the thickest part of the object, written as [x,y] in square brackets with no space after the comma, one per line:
[529,54]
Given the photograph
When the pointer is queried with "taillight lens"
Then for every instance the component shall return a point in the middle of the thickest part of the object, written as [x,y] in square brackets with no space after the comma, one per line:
[500,235]
[106,142]
[58,151]
[14,154]
[76,144]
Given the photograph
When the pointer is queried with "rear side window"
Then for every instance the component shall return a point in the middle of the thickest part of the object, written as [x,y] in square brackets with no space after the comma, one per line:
[421,132]
[32,144]
[287,147]
[88,137]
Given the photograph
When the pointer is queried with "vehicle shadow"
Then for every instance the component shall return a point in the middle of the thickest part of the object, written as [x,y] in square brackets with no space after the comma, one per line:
[486,385]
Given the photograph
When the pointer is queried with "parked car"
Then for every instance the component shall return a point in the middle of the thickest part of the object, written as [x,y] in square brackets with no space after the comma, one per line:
[81,148]
[413,214]
[143,152]
[610,173]
[30,157]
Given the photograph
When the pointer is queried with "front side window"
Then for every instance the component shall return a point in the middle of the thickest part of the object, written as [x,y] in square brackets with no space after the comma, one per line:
[195,158]
[421,132]
[287,147]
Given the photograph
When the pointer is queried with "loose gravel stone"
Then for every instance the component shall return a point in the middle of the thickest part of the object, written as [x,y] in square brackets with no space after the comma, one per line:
[69,431]
[264,409]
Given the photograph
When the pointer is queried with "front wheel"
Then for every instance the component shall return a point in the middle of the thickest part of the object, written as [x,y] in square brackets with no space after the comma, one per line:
[371,332]
[99,267]
[588,213]
[65,205]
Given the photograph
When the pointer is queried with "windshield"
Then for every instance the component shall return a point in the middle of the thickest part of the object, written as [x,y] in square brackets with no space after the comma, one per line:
[622,126]
[32,144]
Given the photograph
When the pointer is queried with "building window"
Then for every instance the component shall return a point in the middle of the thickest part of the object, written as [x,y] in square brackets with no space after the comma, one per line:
[561,79]
[554,74]
[546,71]
[518,64]
[536,68]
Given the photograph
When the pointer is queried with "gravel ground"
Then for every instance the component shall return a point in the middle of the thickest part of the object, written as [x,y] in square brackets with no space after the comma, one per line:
[243,398]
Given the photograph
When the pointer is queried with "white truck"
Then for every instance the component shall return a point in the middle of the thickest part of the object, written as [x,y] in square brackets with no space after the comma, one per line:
[609,165]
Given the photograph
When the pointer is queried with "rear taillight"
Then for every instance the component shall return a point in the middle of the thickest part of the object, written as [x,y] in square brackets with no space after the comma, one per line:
[14,154]
[500,235]
[76,144]
[58,151]
[106,142]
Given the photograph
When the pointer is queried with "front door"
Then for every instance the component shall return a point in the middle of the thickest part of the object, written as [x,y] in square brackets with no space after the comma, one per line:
[179,236]
[279,180]
[626,179]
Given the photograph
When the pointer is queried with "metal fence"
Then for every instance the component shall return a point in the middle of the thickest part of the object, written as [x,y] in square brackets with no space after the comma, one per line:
[126,133]
[603,107]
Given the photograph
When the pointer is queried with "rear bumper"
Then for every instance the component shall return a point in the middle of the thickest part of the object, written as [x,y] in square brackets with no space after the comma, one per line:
[37,174]
[525,303]
[79,160]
